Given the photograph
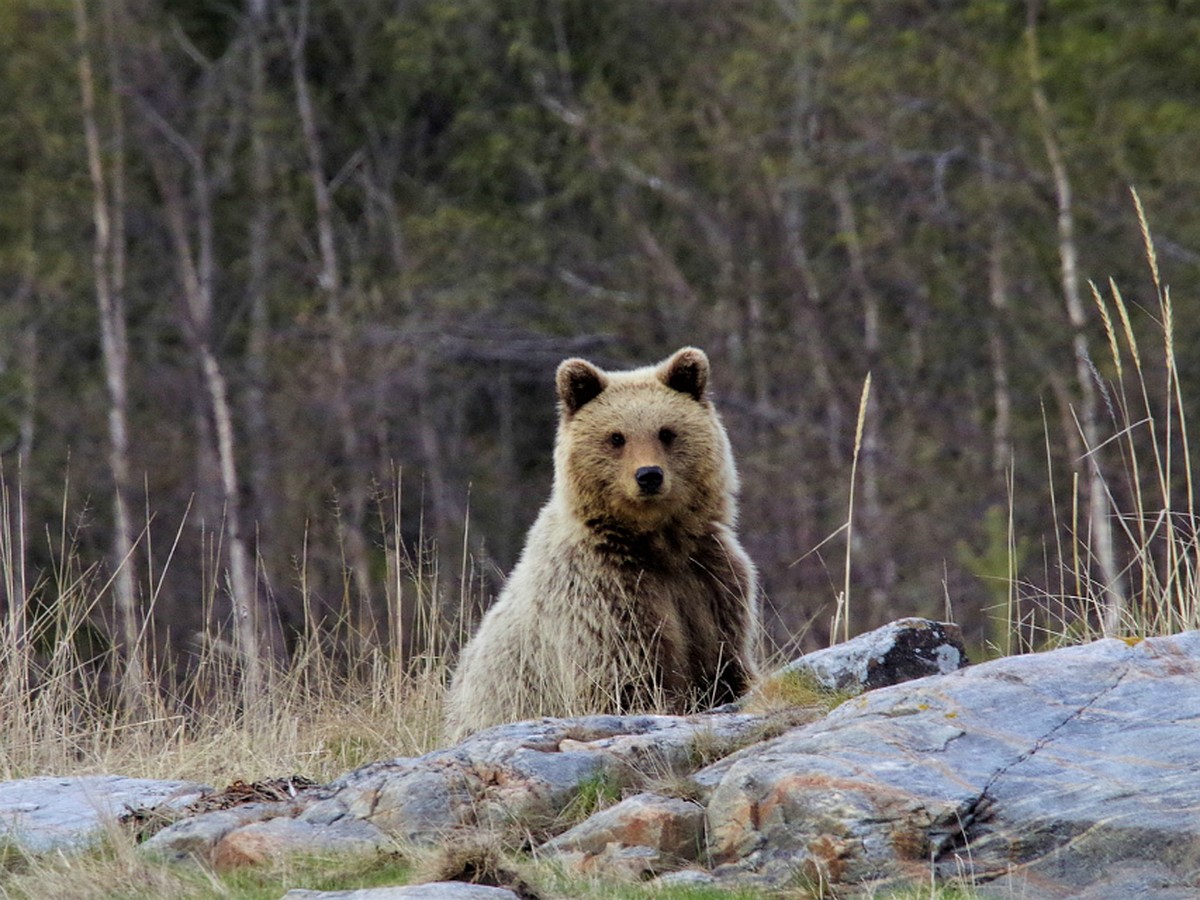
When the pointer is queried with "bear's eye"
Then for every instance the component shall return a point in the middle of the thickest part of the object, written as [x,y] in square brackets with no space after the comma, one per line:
[667,436]
[617,439]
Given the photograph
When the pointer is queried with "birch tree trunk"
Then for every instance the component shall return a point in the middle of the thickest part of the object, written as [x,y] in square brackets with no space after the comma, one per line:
[108,267]
[196,269]
[329,279]
[258,428]
[1100,540]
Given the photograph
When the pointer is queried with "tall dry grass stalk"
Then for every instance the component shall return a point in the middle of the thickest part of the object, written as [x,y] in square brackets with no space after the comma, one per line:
[1152,491]
[342,698]
[841,617]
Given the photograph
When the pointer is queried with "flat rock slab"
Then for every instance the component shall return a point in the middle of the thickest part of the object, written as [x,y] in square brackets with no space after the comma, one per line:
[439,890]
[1036,775]
[48,813]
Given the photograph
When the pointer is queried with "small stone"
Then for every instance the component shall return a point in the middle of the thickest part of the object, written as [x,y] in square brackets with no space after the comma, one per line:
[900,651]
[281,837]
[438,890]
[685,878]
[673,827]
[196,837]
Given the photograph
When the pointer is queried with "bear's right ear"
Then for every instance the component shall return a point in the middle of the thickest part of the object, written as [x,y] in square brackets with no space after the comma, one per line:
[579,382]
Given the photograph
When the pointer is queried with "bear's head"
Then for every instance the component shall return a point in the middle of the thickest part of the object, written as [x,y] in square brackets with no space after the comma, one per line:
[643,450]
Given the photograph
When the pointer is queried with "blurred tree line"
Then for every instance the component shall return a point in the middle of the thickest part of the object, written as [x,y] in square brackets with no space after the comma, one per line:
[266,267]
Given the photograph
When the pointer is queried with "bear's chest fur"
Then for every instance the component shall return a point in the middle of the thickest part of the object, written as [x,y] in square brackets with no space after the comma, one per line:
[614,546]
[668,598]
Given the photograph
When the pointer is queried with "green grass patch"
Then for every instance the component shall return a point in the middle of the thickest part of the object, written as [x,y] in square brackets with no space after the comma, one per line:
[796,689]
[595,793]
[120,871]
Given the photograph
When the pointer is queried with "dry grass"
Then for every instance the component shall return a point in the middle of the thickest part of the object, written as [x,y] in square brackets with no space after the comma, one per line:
[318,716]
[1145,463]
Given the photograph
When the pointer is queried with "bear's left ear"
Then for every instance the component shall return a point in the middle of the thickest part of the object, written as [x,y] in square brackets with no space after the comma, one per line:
[578,382]
[686,371]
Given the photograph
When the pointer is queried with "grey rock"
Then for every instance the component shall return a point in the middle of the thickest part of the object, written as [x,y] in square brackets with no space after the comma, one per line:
[196,836]
[618,862]
[668,824]
[1119,881]
[49,813]
[279,837]
[525,773]
[897,652]
[439,890]
[1042,770]
[685,878]
[642,836]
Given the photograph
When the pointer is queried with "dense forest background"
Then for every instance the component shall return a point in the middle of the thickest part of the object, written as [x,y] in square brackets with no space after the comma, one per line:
[283,287]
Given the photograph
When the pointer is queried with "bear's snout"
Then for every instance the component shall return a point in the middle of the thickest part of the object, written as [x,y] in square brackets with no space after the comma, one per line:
[649,479]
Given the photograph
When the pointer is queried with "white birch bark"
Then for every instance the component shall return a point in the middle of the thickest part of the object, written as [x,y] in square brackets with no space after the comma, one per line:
[108,266]
[330,281]
[1100,539]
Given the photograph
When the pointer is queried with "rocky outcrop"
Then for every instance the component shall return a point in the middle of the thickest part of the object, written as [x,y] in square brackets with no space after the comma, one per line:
[45,813]
[1043,775]
[1069,773]
[528,773]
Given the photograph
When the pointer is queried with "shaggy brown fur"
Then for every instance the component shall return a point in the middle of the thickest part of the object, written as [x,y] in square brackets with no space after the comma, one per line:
[632,593]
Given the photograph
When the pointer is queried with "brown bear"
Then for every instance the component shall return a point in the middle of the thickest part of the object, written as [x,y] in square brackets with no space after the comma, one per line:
[632,593]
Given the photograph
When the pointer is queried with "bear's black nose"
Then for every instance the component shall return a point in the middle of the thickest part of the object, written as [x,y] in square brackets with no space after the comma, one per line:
[649,479]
